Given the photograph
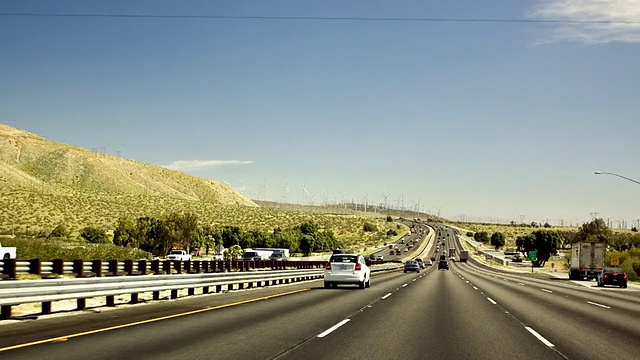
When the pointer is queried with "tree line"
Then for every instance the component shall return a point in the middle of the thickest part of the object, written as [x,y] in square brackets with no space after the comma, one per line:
[547,242]
[159,235]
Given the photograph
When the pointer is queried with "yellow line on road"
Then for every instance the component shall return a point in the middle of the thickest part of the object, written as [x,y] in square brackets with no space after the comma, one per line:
[122,326]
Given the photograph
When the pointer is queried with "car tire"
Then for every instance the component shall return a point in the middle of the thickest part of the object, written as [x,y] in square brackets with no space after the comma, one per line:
[363,285]
[327,285]
[405,271]
[623,286]
[334,285]
[368,282]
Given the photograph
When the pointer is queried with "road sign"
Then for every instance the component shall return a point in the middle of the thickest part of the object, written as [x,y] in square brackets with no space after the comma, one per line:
[615,260]
[219,249]
[533,255]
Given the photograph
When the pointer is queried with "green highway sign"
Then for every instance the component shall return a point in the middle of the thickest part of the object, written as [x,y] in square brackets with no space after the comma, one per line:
[533,255]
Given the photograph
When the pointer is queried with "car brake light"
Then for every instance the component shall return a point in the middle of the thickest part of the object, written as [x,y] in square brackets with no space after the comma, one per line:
[614,274]
[328,266]
[625,277]
[600,270]
[606,276]
[358,267]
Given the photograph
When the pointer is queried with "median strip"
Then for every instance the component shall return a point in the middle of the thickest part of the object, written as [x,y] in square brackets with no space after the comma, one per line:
[333,328]
[600,305]
[540,337]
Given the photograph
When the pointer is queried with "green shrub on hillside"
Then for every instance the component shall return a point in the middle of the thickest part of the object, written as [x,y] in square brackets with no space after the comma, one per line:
[94,235]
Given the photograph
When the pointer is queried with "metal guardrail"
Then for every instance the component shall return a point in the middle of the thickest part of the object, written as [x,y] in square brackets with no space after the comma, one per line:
[47,291]
[11,268]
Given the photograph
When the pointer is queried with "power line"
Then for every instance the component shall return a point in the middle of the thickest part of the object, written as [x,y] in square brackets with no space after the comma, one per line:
[320,18]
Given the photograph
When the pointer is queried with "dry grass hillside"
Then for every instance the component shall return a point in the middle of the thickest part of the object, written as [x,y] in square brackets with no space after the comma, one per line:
[42,182]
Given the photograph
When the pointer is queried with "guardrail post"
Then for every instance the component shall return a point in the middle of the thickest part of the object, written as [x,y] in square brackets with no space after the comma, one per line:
[111,301]
[174,294]
[196,266]
[5,312]
[57,266]
[9,268]
[156,295]
[113,267]
[96,267]
[218,288]
[45,308]
[187,267]
[177,265]
[228,265]
[205,266]
[35,266]
[191,291]
[142,267]
[155,266]
[205,289]
[82,304]
[134,298]
[166,266]
[78,268]
[128,267]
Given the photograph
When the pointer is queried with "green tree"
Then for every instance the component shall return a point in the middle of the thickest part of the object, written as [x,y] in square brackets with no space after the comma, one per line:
[497,240]
[543,241]
[94,235]
[389,218]
[594,231]
[123,233]
[233,252]
[481,236]
[307,244]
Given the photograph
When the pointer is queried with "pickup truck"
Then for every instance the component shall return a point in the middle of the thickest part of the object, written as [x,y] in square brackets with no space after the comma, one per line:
[179,255]
[7,252]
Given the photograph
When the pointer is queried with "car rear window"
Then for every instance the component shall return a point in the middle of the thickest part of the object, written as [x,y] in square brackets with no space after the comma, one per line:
[343,259]
[612,270]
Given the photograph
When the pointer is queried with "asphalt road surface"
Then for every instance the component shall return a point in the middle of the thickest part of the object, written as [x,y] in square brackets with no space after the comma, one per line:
[468,312]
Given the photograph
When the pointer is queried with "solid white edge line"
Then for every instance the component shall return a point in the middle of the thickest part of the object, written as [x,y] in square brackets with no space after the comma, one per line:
[596,304]
[386,296]
[491,301]
[545,290]
[333,328]
[540,337]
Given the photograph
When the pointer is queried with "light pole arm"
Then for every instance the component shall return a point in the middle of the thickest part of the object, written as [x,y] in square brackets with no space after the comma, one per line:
[618,175]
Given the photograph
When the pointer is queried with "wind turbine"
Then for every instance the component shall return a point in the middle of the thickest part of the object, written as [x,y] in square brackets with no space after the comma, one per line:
[242,188]
[265,187]
[286,192]
[305,193]
[366,199]
[226,183]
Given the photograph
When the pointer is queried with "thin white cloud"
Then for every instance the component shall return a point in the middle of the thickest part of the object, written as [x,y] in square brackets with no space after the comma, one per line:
[618,11]
[203,164]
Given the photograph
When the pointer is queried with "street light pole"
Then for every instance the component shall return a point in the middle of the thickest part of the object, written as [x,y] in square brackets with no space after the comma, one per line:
[614,174]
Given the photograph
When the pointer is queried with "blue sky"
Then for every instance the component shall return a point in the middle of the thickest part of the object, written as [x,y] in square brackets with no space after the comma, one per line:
[490,120]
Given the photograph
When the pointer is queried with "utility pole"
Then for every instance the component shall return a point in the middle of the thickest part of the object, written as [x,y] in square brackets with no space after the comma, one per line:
[521,219]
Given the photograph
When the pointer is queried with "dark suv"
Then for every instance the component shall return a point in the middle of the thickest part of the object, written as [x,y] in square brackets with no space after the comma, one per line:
[612,276]
[443,265]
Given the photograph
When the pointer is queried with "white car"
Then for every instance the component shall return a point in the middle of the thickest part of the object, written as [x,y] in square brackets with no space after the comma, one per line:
[347,269]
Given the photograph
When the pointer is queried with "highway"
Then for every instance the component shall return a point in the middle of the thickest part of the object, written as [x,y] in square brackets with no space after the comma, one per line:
[469,312]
